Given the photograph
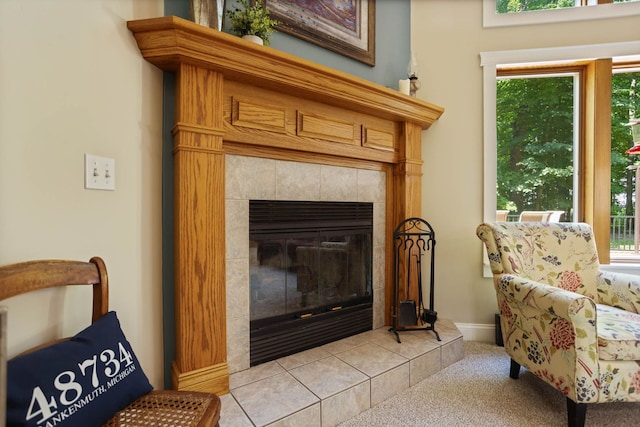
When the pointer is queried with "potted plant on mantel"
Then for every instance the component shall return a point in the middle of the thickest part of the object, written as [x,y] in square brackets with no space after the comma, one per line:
[252,22]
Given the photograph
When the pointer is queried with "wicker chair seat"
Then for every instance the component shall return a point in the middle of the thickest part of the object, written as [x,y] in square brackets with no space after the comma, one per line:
[171,409]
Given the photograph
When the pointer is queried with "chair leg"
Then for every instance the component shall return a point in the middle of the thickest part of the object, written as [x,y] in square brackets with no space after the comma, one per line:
[515,370]
[576,413]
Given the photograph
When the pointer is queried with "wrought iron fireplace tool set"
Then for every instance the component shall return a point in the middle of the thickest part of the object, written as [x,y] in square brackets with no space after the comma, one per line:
[413,238]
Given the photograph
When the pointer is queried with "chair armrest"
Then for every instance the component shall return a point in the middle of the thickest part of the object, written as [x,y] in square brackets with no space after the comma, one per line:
[619,290]
[546,298]
[552,332]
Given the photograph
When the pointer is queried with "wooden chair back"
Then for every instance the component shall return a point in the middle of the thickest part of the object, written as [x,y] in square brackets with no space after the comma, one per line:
[159,407]
[30,276]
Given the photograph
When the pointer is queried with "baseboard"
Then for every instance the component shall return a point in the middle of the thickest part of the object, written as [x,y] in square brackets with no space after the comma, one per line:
[477,332]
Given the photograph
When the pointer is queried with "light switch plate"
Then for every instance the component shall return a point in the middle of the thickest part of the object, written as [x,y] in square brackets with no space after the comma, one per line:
[99,173]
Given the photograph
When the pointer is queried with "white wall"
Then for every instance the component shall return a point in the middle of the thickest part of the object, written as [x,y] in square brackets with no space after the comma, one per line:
[72,81]
[447,38]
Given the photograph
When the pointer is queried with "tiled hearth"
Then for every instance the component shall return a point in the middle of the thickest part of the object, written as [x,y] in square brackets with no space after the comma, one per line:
[333,383]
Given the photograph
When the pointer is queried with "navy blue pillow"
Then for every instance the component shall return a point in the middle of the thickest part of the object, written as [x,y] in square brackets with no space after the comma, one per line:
[80,382]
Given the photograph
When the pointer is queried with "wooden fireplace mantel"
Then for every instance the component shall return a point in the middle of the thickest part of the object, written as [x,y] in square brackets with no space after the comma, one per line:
[235,97]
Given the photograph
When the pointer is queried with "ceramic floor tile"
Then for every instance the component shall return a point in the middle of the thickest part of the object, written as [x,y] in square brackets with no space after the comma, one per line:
[413,343]
[371,359]
[346,404]
[302,358]
[346,343]
[425,365]
[308,417]
[382,333]
[330,384]
[389,383]
[273,398]
[452,352]
[328,376]
[255,373]
[447,330]
[231,414]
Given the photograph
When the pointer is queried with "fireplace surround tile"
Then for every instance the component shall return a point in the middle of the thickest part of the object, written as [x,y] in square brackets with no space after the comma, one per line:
[238,341]
[252,178]
[338,184]
[297,181]
[371,186]
[379,218]
[261,186]
[237,294]
[237,245]
[378,310]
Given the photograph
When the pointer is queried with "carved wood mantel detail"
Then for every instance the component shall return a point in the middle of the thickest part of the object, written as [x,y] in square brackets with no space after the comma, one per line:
[235,97]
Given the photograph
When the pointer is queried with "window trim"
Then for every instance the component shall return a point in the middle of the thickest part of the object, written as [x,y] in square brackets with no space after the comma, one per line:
[582,13]
[489,61]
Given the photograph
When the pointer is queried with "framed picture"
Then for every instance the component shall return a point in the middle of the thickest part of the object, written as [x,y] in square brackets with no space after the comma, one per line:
[343,26]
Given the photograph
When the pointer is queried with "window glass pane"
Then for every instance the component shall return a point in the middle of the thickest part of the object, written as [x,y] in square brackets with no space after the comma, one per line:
[514,6]
[536,145]
[625,106]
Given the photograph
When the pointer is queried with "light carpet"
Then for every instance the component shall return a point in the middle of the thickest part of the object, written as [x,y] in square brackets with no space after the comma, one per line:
[477,391]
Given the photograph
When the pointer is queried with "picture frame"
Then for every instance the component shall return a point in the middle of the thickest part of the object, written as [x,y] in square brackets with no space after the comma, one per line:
[346,27]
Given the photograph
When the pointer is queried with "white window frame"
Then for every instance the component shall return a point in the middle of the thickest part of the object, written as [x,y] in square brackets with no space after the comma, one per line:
[489,61]
[582,13]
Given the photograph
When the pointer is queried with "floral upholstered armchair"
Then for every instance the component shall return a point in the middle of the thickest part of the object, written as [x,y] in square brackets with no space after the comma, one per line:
[569,323]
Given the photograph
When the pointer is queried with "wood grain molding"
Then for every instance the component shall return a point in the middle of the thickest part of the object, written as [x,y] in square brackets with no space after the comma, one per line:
[326,128]
[210,379]
[236,97]
[383,140]
[254,114]
[168,41]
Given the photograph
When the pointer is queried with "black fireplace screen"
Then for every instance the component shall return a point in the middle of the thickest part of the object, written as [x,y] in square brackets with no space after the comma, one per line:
[307,260]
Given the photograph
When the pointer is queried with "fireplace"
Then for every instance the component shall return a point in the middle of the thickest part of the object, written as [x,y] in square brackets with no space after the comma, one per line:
[310,274]
[295,184]
[236,99]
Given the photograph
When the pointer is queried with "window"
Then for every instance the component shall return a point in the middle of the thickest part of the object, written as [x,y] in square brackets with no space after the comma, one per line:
[538,143]
[497,13]
[517,6]
[593,127]
[625,106]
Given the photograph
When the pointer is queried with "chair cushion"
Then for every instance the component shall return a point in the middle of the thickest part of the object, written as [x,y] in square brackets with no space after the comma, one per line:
[618,334]
[83,381]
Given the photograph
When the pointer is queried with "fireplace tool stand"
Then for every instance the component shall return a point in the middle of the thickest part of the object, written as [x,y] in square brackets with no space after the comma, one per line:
[413,238]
